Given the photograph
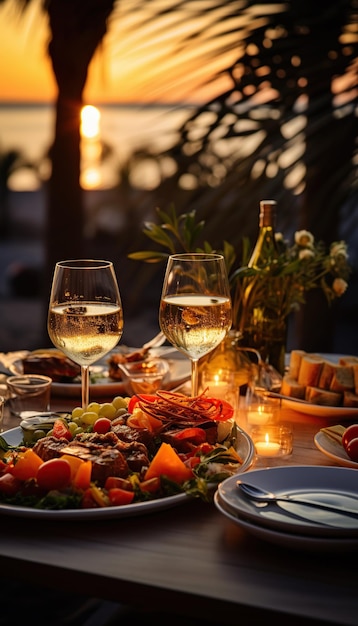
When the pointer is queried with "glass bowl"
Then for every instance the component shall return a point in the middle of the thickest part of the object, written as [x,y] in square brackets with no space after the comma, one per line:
[144,376]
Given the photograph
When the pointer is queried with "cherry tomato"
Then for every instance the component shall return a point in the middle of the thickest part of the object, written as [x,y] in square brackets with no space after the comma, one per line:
[60,430]
[351,432]
[9,484]
[102,425]
[117,496]
[352,449]
[113,482]
[54,474]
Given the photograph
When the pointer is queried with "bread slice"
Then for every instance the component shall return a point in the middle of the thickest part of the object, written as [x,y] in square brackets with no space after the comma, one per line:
[348,360]
[327,372]
[295,363]
[323,397]
[343,379]
[291,387]
[350,399]
[310,370]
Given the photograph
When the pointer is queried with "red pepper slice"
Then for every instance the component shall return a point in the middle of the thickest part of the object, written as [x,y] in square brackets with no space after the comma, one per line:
[135,399]
[194,435]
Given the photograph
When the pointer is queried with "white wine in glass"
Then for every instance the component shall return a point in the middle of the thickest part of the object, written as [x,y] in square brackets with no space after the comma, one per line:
[85,318]
[195,306]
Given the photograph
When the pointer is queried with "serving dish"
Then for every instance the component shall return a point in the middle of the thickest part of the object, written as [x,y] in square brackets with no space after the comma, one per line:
[331,412]
[13,437]
[330,485]
[296,541]
[101,384]
[333,450]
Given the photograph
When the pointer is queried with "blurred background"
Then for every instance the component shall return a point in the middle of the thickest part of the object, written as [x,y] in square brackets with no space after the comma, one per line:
[112,109]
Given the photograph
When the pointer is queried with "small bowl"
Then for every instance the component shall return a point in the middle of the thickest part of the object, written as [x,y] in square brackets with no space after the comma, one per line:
[144,376]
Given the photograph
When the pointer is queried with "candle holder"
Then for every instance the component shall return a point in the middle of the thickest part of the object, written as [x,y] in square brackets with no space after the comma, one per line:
[222,385]
[272,440]
[258,409]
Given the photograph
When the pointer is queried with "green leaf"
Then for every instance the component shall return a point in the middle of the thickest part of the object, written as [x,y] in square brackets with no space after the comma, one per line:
[149,256]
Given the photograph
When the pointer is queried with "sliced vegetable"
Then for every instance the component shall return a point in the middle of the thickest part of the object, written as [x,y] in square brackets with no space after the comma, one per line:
[9,484]
[118,497]
[60,430]
[166,462]
[27,465]
[82,479]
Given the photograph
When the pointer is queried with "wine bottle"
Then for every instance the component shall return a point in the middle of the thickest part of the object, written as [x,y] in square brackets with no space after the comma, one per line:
[263,327]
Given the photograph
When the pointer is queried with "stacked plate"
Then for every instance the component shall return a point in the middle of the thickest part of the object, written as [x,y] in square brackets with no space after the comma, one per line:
[290,522]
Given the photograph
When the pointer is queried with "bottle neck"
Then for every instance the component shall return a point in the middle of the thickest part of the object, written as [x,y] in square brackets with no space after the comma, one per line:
[265,250]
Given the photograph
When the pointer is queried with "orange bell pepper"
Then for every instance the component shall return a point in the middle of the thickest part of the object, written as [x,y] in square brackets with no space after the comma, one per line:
[166,462]
[27,465]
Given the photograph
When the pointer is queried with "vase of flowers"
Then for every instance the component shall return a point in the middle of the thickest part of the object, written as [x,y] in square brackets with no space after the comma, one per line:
[262,298]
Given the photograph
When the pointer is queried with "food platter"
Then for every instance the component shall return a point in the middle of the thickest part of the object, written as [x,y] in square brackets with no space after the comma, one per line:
[101,384]
[333,450]
[13,437]
[319,410]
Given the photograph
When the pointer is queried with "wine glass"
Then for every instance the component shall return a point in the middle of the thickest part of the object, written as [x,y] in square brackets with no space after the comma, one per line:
[195,306]
[85,318]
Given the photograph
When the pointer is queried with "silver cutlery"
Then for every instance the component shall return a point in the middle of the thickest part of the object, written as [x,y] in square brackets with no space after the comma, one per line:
[264,496]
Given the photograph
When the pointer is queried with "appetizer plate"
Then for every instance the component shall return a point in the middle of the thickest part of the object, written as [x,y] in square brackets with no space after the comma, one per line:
[333,450]
[330,412]
[287,540]
[103,385]
[13,437]
[335,486]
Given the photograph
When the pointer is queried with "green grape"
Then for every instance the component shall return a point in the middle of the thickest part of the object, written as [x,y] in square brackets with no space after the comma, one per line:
[120,403]
[89,418]
[120,412]
[107,409]
[72,426]
[77,412]
[93,407]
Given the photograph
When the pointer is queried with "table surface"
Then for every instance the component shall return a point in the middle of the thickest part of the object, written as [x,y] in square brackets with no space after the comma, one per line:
[189,559]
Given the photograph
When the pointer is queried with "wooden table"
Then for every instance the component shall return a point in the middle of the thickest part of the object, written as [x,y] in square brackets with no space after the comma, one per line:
[190,560]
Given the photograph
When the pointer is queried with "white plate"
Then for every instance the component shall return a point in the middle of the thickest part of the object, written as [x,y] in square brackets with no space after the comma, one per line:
[319,410]
[288,540]
[179,367]
[245,449]
[333,449]
[332,485]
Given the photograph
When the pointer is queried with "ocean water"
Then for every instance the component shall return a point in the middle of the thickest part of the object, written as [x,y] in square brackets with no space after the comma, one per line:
[29,129]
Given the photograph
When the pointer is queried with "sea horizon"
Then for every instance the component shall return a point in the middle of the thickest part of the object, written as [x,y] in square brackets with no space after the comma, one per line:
[28,127]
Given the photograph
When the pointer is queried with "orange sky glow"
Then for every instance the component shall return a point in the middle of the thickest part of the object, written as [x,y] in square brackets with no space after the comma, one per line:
[130,67]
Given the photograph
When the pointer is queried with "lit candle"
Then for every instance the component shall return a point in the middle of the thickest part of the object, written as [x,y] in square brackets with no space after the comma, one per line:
[259,416]
[267,447]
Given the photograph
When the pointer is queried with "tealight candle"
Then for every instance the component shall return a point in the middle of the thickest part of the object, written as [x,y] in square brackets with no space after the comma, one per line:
[259,416]
[271,441]
[267,447]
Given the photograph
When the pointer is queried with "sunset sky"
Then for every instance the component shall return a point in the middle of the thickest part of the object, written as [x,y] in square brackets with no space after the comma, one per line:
[133,66]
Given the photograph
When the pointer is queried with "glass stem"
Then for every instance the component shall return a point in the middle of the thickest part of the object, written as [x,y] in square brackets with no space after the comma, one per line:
[194,378]
[85,385]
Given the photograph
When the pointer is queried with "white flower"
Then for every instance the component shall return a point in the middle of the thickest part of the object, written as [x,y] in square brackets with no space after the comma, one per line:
[278,237]
[304,238]
[339,249]
[306,253]
[339,286]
